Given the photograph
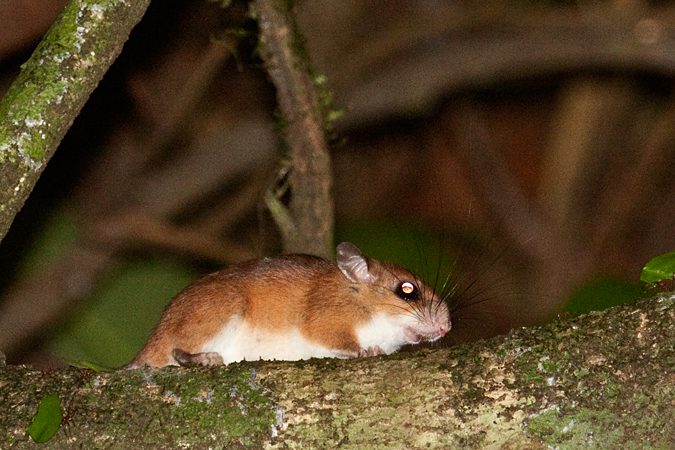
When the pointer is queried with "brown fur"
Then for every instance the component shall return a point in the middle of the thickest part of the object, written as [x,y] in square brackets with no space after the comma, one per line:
[278,294]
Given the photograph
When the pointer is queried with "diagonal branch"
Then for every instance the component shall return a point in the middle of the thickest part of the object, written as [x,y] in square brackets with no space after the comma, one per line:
[52,88]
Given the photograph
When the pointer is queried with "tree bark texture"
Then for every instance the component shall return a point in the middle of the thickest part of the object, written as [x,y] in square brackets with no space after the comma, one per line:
[52,88]
[603,380]
[307,225]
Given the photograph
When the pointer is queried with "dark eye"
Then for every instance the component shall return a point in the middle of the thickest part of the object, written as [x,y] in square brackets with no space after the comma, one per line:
[407,291]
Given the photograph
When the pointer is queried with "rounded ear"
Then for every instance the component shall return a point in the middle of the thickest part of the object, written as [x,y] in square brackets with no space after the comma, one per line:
[353,264]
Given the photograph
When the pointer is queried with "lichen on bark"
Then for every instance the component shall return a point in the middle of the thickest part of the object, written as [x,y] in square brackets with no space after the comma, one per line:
[603,380]
[53,86]
[169,408]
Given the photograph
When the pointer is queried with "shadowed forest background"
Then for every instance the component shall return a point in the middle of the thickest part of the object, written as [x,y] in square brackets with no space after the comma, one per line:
[523,148]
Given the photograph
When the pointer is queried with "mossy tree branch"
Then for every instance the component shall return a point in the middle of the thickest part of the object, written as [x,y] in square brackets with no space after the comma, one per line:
[52,88]
[602,380]
[307,226]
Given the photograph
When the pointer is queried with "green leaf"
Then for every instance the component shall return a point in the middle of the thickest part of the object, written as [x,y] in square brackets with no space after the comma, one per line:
[47,420]
[658,269]
[81,364]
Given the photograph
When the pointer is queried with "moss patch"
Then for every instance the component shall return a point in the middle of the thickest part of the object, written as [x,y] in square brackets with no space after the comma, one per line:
[196,408]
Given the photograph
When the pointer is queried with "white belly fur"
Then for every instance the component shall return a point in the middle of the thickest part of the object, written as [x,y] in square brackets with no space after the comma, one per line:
[238,341]
[384,331]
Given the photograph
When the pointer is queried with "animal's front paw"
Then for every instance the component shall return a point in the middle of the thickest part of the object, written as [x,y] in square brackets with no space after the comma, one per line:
[370,351]
[205,359]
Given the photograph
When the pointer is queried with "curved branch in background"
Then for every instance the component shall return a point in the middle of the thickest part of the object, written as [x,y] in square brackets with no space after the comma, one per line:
[310,178]
[52,88]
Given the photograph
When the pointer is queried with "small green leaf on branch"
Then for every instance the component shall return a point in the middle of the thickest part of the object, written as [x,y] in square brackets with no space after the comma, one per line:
[659,269]
[47,420]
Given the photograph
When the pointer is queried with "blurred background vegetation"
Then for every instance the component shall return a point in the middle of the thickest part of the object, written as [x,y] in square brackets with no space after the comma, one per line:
[524,149]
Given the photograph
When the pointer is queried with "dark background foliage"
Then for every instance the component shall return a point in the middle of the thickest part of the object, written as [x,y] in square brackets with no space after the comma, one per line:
[524,149]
